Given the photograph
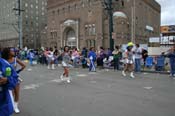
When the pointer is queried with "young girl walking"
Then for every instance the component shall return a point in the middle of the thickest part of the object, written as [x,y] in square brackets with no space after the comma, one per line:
[9,55]
[66,60]
[129,61]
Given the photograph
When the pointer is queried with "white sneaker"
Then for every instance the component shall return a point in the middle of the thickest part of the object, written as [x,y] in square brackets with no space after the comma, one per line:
[132,75]
[61,77]
[123,73]
[68,80]
[53,66]
[48,67]
[16,109]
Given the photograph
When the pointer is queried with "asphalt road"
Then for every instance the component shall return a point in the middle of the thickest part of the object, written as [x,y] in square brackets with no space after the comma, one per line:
[104,93]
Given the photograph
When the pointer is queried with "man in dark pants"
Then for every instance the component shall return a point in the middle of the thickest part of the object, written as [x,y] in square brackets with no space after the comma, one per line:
[171,56]
[116,54]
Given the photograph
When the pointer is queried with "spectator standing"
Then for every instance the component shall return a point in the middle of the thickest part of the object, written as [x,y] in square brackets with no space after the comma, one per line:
[116,54]
[138,57]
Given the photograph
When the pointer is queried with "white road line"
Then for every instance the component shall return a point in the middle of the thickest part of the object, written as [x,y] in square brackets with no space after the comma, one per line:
[81,75]
[148,88]
[31,86]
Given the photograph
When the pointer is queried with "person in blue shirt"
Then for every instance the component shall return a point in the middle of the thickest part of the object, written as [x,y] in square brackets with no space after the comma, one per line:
[171,56]
[10,55]
[8,80]
[92,57]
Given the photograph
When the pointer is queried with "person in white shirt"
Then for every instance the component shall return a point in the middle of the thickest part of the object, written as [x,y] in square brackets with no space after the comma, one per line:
[50,58]
[138,57]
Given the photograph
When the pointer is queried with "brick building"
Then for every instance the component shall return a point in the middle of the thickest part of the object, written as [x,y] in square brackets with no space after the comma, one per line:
[84,23]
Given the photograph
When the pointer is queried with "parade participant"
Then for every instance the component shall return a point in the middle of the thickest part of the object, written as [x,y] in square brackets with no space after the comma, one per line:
[66,60]
[128,58]
[138,57]
[8,80]
[92,57]
[9,55]
[31,56]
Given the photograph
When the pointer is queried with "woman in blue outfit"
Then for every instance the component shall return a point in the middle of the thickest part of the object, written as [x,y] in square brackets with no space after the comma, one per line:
[9,55]
[8,80]
[92,57]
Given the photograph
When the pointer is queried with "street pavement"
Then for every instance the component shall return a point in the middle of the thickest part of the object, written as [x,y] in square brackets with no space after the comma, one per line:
[101,93]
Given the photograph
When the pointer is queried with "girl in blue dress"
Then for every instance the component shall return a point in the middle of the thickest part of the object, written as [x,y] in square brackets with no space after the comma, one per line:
[8,80]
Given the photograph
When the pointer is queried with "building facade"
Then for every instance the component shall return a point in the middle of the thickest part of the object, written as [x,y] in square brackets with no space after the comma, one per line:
[8,23]
[84,23]
[167,35]
[33,21]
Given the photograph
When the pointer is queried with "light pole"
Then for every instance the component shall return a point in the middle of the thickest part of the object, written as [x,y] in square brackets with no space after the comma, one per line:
[108,7]
[20,23]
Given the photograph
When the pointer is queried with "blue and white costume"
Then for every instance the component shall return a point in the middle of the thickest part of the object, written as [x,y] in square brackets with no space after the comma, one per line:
[6,107]
[92,57]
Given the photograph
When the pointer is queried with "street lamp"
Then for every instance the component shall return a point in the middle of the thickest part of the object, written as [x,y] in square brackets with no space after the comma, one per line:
[108,7]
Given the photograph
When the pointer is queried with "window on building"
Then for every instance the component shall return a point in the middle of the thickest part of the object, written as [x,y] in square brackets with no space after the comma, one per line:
[123,4]
[31,5]
[58,11]
[75,6]
[26,5]
[68,8]
[86,29]
[26,22]
[90,30]
[37,24]
[93,29]
[53,12]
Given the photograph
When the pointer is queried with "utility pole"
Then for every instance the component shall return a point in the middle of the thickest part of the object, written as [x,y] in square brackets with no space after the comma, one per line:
[108,7]
[133,13]
[20,23]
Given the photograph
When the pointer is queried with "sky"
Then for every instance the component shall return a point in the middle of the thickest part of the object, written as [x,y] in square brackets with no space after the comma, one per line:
[167,9]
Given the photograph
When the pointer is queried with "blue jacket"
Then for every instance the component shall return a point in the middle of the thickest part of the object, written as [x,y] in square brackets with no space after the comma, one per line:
[92,53]
[6,107]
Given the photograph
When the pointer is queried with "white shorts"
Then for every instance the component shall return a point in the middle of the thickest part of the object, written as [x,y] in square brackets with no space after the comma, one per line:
[64,64]
[129,61]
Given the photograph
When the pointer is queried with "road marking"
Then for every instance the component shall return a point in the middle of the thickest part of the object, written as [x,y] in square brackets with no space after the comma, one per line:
[29,69]
[31,86]
[94,82]
[81,75]
[92,73]
[56,80]
[148,88]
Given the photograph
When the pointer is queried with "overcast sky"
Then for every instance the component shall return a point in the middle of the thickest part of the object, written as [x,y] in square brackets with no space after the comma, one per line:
[168,15]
